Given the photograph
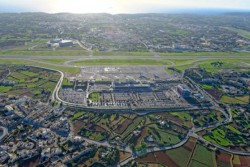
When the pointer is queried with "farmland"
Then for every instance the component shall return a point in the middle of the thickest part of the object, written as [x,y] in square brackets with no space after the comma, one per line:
[30,81]
[228,135]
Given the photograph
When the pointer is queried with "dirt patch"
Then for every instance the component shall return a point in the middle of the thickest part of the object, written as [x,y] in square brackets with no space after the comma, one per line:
[78,125]
[245,160]
[223,159]
[99,128]
[123,126]
[124,155]
[164,159]
[215,93]
[142,135]
[149,158]
[172,118]
[190,144]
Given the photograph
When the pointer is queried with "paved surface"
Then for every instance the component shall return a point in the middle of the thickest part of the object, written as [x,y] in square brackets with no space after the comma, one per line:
[5,132]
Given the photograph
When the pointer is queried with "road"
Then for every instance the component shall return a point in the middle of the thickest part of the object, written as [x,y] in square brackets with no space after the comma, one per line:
[5,132]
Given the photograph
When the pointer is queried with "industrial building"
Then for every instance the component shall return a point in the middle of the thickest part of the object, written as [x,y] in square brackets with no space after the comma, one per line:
[183,91]
[65,43]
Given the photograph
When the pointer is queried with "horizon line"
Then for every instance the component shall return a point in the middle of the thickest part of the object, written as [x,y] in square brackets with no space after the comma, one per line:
[163,11]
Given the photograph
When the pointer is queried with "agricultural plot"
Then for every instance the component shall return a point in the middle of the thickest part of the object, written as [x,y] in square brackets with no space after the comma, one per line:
[223,159]
[181,119]
[185,117]
[193,155]
[177,156]
[203,156]
[163,137]
[30,81]
[208,117]
[229,135]
[240,161]
[157,158]
[235,100]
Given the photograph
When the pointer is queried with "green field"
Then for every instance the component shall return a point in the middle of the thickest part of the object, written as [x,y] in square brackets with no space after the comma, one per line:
[77,115]
[208,87]
[33,82]
[27,62]
[181,61]
[98,136]
[218,136]
[121,62]
[53,61]
[177,155]
[132,126]
[66,82]
[182,115]
[203,155]
[94,97]
[242,33]
[163,137]
[235,100]
[99,53]
[233,129]
[43,53]
[215,54]
[236,64]
[4,89]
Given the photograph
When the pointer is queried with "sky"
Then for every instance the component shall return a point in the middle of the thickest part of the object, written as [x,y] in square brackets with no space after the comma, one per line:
[118,6]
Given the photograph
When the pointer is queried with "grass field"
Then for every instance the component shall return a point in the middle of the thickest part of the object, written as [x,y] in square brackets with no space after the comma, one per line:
[98,136]
[77,115]
[227,64]
[122,53]
[181,61]
[182,115]
[235,100]
[215,54]
[121,62]
[233,129]
[29,73]
[53,61]
[66,82]
[218,136]
[94,97]
[203,155]
[162,137]
[33,82]
[204,86]
[132,126]
[242,33]
[43,53]
[4,89]
[178,156]
[27,62]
